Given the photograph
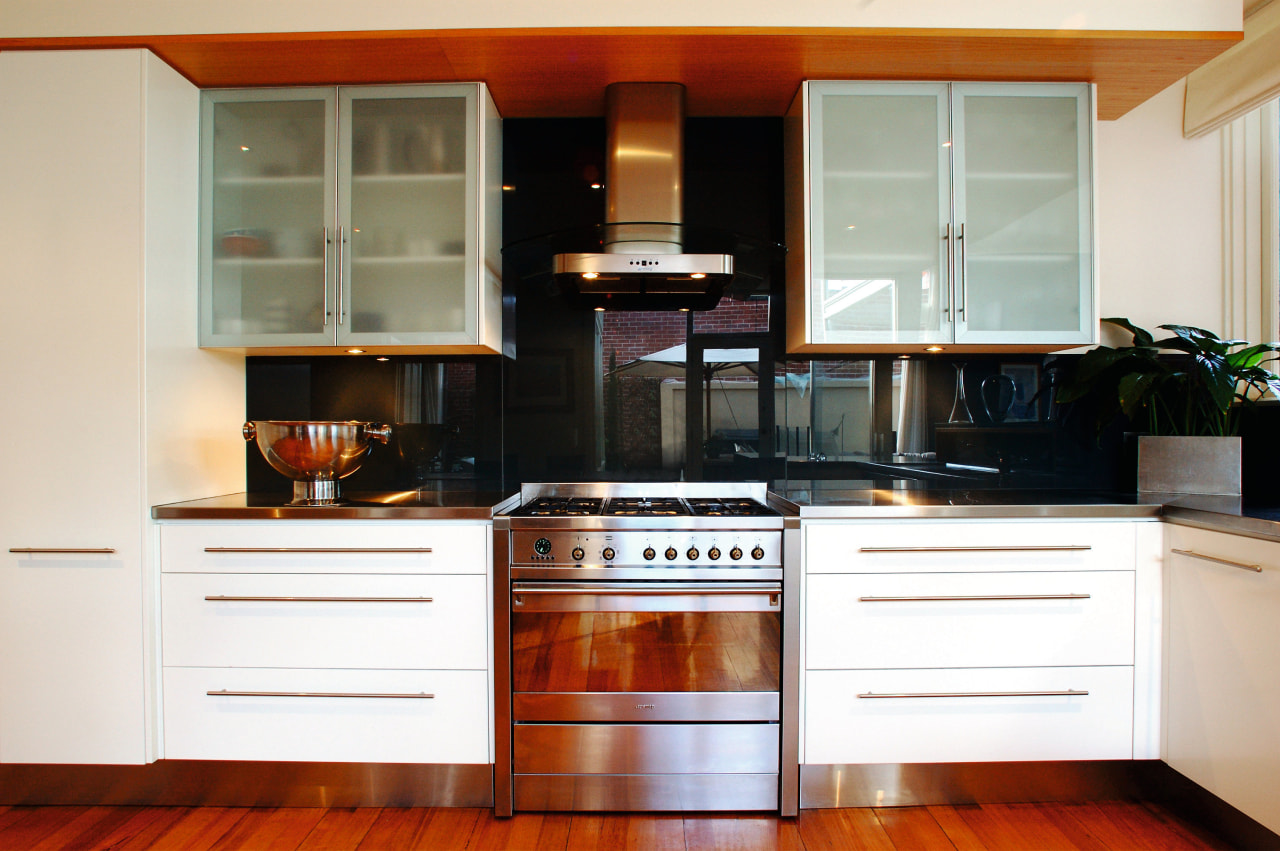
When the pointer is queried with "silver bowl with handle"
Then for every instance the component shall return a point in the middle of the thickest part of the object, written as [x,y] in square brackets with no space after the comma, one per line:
[315,454]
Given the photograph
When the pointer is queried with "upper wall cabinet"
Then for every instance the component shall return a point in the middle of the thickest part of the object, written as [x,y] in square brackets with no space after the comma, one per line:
[356,217]
[924,215]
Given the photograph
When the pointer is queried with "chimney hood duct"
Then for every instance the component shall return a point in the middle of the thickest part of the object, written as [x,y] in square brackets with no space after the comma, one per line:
[642,265]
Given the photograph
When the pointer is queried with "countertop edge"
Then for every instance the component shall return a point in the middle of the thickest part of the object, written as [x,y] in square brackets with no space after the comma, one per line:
[990,512]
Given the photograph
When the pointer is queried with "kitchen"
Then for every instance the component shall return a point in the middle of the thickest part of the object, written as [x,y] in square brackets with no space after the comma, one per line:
[207,392]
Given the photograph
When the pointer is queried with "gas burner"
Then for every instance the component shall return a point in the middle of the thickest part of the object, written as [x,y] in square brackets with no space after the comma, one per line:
[729,508]
[646,506]
[553,506]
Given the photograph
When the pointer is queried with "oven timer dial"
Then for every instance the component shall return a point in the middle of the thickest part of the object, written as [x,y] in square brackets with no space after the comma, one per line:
[608,553]
[578,554]
[542,546]
[650,554]
[671,554]
[736,553]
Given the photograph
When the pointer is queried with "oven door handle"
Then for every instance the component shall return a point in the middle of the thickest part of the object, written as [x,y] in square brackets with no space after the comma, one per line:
[649,597]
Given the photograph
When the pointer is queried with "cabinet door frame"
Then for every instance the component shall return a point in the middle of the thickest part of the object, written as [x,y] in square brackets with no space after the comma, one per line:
[1086,332]
[814,236]
[209,101]
[471,266]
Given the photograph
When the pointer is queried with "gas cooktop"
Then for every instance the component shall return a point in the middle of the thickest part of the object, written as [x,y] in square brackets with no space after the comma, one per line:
[643,506]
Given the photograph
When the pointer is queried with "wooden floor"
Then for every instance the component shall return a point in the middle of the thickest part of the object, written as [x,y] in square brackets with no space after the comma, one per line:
[1106,826]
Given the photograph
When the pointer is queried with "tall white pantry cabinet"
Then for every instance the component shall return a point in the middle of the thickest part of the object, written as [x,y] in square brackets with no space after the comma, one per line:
[112,407]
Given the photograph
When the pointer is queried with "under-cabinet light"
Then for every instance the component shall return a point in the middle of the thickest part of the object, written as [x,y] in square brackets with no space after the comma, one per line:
[355,351]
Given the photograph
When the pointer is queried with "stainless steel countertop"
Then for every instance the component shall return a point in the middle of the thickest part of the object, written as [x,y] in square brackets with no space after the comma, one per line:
[816,502]
[402,505]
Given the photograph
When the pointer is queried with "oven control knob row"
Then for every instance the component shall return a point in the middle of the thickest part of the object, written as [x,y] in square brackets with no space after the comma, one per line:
[578,554]
[671,554]
[692,554]
[608,553]
[650,554]
[736,553]
[757,553]
[713,553]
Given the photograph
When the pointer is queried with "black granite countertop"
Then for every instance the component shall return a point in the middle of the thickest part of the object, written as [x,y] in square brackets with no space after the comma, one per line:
[426,504]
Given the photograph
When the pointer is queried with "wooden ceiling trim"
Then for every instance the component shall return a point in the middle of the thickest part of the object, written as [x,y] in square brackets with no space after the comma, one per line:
[728,71]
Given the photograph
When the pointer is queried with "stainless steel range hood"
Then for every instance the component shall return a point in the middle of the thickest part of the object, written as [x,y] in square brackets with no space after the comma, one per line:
[643,265]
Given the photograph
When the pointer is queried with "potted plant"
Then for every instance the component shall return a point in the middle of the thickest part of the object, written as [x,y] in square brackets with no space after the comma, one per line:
[1188,404]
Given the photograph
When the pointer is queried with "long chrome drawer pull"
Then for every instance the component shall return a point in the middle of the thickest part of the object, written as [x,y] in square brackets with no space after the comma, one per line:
[313,550]
[106,551]
[1065,693]
[227,598]
[225,693]
[950,599]
[1256,568]
[994,549]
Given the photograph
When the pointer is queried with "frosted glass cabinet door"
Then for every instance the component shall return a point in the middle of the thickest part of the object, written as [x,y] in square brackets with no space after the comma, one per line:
[881,199]
[1024,264]
[409,215]
[266,217]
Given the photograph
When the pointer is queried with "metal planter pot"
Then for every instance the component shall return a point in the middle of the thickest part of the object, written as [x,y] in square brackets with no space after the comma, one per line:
[1209,465]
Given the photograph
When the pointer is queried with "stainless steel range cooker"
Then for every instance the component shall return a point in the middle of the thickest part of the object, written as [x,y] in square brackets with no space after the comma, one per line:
[646,649]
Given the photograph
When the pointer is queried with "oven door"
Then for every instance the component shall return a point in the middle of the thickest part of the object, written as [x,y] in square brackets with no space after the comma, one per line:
[627,652]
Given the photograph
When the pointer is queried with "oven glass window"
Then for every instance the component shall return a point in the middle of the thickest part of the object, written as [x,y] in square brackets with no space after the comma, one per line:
[645,651]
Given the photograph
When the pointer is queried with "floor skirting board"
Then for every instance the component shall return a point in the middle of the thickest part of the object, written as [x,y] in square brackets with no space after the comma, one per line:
[249,784]
[924,784]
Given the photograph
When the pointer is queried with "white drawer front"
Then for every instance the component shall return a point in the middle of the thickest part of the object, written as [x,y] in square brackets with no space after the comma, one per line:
[841,727]
[352,546]
[364,621]
[451,727]
[933,546]
[911,621]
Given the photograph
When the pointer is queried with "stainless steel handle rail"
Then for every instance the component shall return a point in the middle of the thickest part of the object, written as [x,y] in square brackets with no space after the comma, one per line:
[315,550]
[228,598]
[1049,548]
[1256,568]
[1064,693]
[774,593]
[951,269]
[966,598]
[341,253]
[62,550]
[325,282]
[226,693]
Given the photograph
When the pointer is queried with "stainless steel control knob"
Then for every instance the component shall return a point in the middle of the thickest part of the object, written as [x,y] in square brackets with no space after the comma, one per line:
[757,553]
[649,554]
[578,554]
[608,553]
[713,553]
[692,554]
[671,554]
[736,553]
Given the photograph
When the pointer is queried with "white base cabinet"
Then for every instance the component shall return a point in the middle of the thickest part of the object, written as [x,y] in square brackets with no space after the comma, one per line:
[351,641]
[976,641]
[1222,674]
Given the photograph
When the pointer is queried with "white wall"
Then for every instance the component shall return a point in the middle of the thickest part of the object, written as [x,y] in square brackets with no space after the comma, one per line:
[32,18]
[1159,218]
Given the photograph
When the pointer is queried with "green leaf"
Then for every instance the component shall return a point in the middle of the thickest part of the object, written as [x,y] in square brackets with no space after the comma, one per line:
[1141,337]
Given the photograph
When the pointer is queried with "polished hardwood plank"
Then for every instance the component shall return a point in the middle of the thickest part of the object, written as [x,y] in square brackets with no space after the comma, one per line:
[1101,826]
[913,829]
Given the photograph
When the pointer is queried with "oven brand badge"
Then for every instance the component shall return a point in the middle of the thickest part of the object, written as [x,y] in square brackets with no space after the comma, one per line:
[646,706]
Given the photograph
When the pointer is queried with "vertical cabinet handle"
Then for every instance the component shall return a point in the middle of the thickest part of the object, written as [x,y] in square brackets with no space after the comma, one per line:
[325,282]
[1256,568]
[964,275]
[341,253]
[951,270]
